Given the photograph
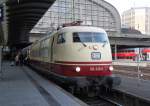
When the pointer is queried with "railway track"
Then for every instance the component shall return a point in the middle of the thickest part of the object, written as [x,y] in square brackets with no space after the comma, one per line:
[105,97]
[99,101]
[115,98]
[110,101]
[133,68]
[132,71]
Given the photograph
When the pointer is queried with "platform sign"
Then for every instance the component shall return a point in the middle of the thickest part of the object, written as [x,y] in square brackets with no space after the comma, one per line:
[1,13]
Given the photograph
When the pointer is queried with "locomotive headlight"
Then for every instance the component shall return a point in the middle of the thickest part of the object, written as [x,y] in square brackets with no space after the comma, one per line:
[111,68]
[77,69]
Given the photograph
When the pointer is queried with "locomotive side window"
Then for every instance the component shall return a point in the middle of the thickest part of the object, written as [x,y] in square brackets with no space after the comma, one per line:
[61,38]
[44,48]
[35,50]
[89,37]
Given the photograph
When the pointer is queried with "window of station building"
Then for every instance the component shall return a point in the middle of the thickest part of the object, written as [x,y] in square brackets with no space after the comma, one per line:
[61,38]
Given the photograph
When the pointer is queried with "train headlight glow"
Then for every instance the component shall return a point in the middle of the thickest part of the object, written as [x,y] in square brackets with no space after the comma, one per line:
[78,69]
[111,68]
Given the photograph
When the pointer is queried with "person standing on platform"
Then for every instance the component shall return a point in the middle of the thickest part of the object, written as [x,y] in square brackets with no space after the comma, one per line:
[21,59]
[17,62]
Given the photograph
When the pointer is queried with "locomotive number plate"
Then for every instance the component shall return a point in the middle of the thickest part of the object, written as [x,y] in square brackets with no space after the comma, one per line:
[96,68]
[96,55]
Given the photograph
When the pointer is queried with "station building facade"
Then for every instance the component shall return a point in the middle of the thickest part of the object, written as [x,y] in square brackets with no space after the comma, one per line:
[137,18]
[97,13]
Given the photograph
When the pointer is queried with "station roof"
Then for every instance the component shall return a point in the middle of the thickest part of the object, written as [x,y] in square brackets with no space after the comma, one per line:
[22,15]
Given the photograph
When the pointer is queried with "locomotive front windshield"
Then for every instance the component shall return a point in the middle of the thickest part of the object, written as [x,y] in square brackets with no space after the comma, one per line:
[89,37]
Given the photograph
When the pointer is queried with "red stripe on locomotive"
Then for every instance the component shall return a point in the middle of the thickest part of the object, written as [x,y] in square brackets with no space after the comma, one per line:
[89,69]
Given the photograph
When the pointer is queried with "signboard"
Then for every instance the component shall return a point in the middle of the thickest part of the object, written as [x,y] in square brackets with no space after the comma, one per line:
[1,13]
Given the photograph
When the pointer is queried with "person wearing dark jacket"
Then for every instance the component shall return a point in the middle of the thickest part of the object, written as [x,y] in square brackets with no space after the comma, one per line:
[21,58]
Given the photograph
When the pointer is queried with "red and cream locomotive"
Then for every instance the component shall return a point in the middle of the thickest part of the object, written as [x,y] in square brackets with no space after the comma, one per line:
[75,54]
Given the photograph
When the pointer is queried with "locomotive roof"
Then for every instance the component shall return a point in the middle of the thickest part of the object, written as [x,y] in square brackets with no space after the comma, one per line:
[81,28]
[74,29]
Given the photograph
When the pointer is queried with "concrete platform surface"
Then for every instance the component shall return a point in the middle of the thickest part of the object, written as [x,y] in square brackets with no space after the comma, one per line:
[131,63]
[136,87]
[20,86]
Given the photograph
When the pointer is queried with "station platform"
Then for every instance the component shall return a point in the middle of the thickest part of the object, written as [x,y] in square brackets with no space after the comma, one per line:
[136,87]
[20,86]
[131,63]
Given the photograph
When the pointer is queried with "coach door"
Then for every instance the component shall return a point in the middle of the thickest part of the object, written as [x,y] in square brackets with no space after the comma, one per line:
[51,53]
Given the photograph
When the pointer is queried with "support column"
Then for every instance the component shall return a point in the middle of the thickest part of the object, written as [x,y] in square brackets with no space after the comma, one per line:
[115,51]
[1,61]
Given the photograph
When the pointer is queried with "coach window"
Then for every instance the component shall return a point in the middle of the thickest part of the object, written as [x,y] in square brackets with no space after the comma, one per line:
[61,38]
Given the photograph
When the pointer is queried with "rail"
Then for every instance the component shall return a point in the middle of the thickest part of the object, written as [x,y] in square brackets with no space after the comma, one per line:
[100,101]
[127,99]
[110,101]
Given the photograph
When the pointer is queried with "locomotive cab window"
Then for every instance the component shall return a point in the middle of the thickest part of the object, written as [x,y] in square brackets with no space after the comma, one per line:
[61,38]
[90,37]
